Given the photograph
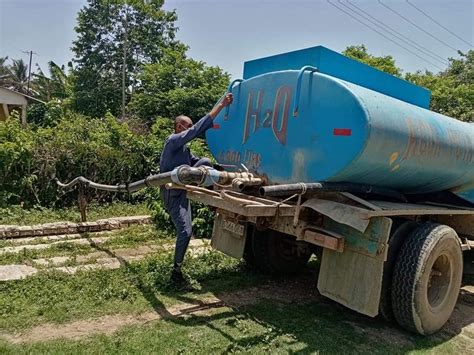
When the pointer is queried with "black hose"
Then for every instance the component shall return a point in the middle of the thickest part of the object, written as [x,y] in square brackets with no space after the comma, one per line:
[300,188]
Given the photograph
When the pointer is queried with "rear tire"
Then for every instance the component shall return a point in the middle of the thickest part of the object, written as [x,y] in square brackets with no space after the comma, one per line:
[401,230]
[249,255]
[278,253]
[427,278]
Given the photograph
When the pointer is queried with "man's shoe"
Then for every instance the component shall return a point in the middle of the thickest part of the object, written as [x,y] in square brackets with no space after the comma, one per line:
[179,282]
[177,277]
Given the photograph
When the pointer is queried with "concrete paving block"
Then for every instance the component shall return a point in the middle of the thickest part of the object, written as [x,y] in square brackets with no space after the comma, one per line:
[16,272]
[25,231]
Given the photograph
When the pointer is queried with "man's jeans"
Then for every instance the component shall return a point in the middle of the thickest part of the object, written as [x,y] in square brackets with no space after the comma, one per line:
[179,208]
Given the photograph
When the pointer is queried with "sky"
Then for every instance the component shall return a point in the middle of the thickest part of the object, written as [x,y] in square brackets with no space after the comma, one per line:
[228,32]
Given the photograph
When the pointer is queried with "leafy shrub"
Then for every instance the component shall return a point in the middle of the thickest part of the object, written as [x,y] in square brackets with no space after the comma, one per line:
[102,150]
[17,146]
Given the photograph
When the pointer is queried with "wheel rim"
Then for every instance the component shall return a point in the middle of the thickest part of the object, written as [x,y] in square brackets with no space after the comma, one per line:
[439,280]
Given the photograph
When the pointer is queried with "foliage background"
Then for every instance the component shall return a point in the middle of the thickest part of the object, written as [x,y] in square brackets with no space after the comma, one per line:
[84,128]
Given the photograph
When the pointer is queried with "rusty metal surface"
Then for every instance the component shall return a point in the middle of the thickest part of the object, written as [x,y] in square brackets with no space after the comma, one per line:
[354,277]
[463,225]
[372,242]
[355,217]
[322,239]
[409,209]
[226,239]
[237,202]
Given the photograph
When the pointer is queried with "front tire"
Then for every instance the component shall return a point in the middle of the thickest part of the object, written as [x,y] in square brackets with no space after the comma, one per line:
[427,278]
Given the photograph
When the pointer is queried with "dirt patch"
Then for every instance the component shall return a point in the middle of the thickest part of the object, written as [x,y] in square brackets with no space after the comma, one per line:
[462,319]
[78,329]
[107,325]
[286,291]
[299,290]
[461,324]
[381,332]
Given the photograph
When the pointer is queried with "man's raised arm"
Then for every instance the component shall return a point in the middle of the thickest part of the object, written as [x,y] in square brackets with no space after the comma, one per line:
[179,139]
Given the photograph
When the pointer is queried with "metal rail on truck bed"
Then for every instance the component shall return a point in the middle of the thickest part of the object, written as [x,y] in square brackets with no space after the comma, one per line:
[252,206]
[236,202]
[284,216]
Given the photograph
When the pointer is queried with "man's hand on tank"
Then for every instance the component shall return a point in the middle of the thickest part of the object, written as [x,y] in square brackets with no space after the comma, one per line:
[227,100]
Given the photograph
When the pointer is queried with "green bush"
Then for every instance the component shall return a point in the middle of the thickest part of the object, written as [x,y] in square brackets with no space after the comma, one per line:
[17,175]
[102,150]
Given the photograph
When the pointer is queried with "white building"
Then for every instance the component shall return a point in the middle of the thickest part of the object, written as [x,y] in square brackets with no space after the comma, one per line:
[11,100]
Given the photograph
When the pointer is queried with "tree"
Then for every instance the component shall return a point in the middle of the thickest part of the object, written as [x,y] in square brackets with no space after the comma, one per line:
[14,76]
[3,66]
[452,90]
[177,85]
[115,38]
[386,63]
[53,86]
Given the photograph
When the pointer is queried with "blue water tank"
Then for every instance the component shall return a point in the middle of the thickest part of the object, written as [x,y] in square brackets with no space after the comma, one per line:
[328,129]
[341,67]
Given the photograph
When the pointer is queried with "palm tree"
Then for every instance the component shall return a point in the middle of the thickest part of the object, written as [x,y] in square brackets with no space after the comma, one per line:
[4,72]
[54,86]
[3,66]
[15,76]
[19,75]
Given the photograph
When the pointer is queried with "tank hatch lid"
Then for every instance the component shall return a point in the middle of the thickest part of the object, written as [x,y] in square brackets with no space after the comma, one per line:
[339,66]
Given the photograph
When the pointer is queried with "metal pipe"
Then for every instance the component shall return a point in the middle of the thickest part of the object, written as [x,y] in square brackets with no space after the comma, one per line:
[183,175]
[242,183]
[302,188]
[152,180]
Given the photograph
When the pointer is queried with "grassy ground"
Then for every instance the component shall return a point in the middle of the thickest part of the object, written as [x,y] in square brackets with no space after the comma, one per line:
[268,326]
[20,216]
[57,297]
[129,238]
[282,316]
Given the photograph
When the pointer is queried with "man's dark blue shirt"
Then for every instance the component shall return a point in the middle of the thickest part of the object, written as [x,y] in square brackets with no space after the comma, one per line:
[176,152]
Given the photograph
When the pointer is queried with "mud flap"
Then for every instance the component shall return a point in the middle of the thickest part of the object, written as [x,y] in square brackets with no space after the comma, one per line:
[354,277]
[228,236]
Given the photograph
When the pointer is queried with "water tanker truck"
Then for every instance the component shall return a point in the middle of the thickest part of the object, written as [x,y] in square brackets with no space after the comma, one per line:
[325,155]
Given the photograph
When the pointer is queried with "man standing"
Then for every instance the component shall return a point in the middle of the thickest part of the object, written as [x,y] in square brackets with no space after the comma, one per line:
[176,153]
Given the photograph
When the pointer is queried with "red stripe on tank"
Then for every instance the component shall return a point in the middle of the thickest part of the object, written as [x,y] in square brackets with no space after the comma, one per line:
[216,126]
[342,132]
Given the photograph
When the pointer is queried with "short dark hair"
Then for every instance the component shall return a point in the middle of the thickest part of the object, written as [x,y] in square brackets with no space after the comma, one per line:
[179,119]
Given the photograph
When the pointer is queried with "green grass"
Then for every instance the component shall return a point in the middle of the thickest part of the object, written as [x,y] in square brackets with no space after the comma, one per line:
[131,237]
[20,216]
[266,327]
[139,286]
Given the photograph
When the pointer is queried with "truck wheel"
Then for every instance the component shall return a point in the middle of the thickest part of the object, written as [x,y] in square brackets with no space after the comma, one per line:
[249,255]
[400,231]
[427,278]
[278,253]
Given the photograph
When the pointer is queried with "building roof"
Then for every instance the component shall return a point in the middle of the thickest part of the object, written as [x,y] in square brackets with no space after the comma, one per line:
[12,97]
